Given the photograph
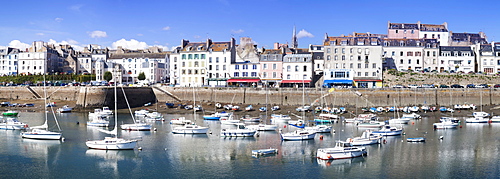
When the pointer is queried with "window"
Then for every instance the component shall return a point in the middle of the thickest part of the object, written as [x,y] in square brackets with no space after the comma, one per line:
[245,74]
[183,56]
[401,53]
[434,54]
[296,68]
[351,65]
[224,67]
[288,76]
[264,75]
[409,53]
[418,61]
[351,50]
[359,73]
[366,73]
[217,67]
[366,65]
[328,57]
[254,67]
[343,50]
[275,75]
[288,68]
[374,74]
[236,67]
[190,56]
[335,58]
[343,57]
[336,50]
[264,66]
[401,61]
[275,66]
[359,65]
[196,64]
[216,59]
[196,56]
[202,56]
[254,74]
[209,59]
[245,67]
[339,74]
[374,65]
[305,68]
[236,74]
[393,53]
[351,57]
[409,61]
[328,50]
[183,64]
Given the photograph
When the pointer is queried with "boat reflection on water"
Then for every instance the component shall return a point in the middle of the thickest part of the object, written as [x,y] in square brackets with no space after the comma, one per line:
[111,159]
[341,163]
[40,148]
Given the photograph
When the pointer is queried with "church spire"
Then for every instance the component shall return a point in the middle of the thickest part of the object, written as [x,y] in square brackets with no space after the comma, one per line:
[295,42]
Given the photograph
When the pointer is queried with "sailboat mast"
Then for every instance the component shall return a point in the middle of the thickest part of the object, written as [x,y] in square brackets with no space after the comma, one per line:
[45,101]
[116,105]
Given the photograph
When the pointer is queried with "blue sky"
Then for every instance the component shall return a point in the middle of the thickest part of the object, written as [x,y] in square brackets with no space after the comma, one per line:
[138,24]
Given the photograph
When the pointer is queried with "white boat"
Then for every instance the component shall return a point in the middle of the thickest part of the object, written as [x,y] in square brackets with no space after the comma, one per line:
[370,124]
[64,109]
[42,132]
[235,108]
[249,108]
[12,124]
[446,123]
[296,122]
[141,112]
[477,120]
[264,151]
[180,121]
[112,143]
[399,121]
[138,126]
[105,110]
[481,114]
[280,118]
[388,131]
[263,127]
[240,131]
[275,108]
[190,129]
[197,108]
[412,116]
[98,121]
[247,118]
[495,119]
[342,150]
[298,135]
[367,138]
[416,139]
[154,116]
[320,129]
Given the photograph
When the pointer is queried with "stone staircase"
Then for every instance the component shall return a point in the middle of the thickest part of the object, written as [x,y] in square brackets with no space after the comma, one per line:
[35,94]
[168,94]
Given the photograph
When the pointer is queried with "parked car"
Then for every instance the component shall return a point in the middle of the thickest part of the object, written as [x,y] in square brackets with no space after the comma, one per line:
[398,86]
[496,86]
[482,86]
[444,86]
[428,86]
[413,86]
[456,86]
[471,86]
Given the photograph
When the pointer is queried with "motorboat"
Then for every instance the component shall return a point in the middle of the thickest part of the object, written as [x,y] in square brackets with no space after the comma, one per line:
[298,135]
[495,119]
[190,129]
[64,109]
[12,124]
[180,121]
[412,116]
[399,121]
[446,123]
[275,108]
[416,139]
[481,114]
[249,108]
[240,131]
[320,129]
[211,117]
[263,127]
[105,110]
[263,109]
[138,126]
[388,131]
[197,108]
[229,120]
[235,108]
[477,119]
[261,152]
[280,118]
[154,116]
[370,124]
[367,138]
[247,118]
[98,121]
[141,112]
[10,113]
[342,150]
[296,122]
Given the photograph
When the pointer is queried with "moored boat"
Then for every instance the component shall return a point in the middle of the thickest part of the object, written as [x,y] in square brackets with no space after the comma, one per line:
[298,135]
[10,113]
[367,138]
[342,150]
[320,129]
[416,139]
[240,131]
[388,131]
[190,129]
[477,119]
[263,127]
[265,151]
[446,123]
[12,124]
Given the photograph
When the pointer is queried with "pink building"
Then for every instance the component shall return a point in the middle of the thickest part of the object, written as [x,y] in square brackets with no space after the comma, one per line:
[271,64]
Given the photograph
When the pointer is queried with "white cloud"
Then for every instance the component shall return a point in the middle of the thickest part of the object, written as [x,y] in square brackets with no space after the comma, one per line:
[140,34]
[58,19]
[130,44]
[18,44]
[97,34]
[239,31]
[304,33]
[166,28]
[40,34]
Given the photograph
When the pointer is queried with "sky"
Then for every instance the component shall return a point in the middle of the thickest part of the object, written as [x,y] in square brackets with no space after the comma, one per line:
[140,24]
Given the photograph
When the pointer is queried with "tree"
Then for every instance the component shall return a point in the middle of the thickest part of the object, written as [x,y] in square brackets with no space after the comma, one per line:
[108,76]
[141,76]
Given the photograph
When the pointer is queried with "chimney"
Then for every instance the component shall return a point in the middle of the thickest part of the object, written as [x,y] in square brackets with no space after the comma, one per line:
[276,45]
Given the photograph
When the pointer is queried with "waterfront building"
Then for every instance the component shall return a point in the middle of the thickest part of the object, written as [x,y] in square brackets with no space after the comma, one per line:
[202,63]
[271,63]
[359,52]
[40,58]
[153,65]
[404,54]
[318,59]
[456,59]
[8,61]
[88,57]
[467,39]
[245,70]
[297,68]
[430,55]
[419,31]
[489,57]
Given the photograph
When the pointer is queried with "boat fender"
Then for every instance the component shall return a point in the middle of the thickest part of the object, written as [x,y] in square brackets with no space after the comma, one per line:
[384,141]
[349,140]
[26,126]
[321,137]
[328,156]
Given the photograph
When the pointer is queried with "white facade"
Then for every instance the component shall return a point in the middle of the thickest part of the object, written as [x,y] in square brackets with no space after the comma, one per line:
[456,59]
[32,63]
[8,61]
[297,67]
[244,70]
[406,58]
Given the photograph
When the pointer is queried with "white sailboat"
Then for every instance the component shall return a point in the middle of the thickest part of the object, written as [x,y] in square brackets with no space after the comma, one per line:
[263,126]
[42,132]
[112,143]
[190,128]
[137,125]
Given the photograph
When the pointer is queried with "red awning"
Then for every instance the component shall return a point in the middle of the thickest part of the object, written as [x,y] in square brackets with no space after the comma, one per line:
[295,81]
[243,80]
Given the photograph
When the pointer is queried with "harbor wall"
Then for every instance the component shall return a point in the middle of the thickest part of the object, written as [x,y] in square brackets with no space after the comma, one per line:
[91,97]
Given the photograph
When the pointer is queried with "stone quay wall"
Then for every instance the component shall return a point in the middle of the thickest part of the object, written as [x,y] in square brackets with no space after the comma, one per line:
[91,97]
[339,97]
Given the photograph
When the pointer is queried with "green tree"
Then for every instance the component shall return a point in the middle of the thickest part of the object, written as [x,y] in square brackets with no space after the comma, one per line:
[108,76]
[141,76]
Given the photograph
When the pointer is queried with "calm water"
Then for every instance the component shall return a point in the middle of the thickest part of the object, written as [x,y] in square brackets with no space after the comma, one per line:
[468,152]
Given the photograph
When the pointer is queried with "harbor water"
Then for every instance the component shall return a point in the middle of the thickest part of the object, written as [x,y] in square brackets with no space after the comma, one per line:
[472,151]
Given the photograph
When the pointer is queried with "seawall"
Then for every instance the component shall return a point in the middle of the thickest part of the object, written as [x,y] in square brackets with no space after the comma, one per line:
[91,97]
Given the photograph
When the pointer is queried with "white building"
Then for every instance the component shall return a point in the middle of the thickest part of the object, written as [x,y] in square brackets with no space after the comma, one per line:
[297,69]
[8,61]
[153,65]
[456,59]
[489,57]
[406,54]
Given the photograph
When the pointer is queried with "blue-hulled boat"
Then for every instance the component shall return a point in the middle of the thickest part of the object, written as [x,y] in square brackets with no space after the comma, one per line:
[417,139]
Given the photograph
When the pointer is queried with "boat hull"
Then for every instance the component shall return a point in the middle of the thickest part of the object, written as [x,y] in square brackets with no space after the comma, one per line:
[13,126]
[237,133]
[211,117]
[334,153]
[263,127]
[42,136]
[293,137]
[133,127]
[418,139]
[112,144]
[264,151]
[190,130]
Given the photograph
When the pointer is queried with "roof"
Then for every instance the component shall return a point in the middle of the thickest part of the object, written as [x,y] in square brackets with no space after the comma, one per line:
[433,28]
[138,55]
[404,42]
[403,26]
[455,48]
[346,40]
